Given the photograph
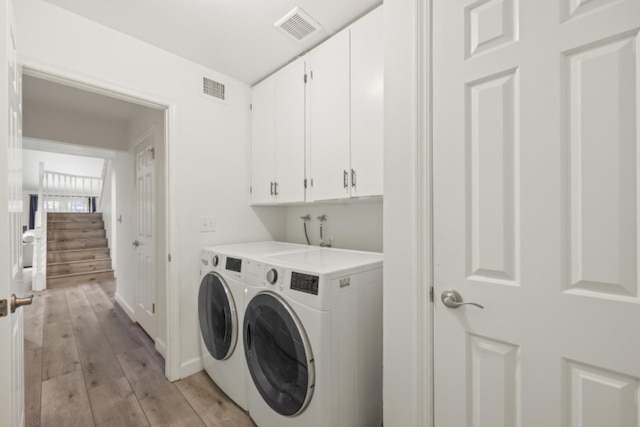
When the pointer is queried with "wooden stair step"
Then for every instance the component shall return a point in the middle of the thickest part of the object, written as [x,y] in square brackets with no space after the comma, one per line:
[77,255]
[76,278]
[67,245]
[74,234]
[62,268]
[73,225]
[75,217]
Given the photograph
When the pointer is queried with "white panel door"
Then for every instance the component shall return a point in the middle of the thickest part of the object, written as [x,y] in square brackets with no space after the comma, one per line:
[536,212]
[11,327]
[263,147]
[145,239]
[290,132]
[367,89]
[329,118]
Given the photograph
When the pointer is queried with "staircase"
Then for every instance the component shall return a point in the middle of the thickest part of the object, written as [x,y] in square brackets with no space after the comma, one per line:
[77,250]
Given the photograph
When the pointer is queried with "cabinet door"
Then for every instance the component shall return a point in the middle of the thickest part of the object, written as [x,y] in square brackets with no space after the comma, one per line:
[263,141]
[329,118]
[367,87]
[289,131]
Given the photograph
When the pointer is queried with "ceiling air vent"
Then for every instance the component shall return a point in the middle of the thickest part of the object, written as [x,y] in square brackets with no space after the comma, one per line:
[298,24]
[213,88]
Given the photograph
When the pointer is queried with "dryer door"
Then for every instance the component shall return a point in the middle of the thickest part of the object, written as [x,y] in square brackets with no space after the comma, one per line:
[218,318]
[278,354]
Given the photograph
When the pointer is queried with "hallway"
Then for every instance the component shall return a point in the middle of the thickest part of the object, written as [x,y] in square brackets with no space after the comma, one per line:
[87,364]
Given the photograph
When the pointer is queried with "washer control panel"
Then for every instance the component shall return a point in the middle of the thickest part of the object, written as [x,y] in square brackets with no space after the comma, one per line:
[274,278]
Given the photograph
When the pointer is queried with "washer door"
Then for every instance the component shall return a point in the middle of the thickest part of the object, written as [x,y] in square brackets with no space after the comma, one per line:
[278,354]
[218,318]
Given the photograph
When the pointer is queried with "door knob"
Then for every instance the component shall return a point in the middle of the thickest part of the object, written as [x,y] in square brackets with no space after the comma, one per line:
[19,302]
[136,243]
[452,299]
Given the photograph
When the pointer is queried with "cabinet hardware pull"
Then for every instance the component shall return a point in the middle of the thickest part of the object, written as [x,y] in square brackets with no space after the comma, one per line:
[271,188]
[345,178]
[275,188]
[353,178]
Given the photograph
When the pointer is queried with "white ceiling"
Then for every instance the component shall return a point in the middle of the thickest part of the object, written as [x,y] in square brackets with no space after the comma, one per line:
[234,37]
[49,95]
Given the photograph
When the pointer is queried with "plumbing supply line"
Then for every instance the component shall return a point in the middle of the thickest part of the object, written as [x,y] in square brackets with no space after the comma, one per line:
[304,219]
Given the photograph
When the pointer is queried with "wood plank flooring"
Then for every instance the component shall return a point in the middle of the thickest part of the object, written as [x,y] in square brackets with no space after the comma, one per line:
[87,364]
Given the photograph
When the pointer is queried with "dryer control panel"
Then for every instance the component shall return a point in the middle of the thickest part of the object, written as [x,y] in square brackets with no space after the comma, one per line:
[306,283]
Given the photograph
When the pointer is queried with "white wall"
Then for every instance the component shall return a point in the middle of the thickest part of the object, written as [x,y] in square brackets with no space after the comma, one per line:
[69,126]
[122,168]
[356,225]
[209,153]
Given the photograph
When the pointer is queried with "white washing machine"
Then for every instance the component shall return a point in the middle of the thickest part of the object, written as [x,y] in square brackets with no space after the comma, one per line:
[312,334]
[221,310]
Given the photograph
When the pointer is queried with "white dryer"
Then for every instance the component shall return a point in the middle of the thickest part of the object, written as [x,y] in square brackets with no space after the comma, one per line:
[221,310]
[312,334]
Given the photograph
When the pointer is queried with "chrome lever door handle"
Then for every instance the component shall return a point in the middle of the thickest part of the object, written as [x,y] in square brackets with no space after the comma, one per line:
[452,299]
[136,243]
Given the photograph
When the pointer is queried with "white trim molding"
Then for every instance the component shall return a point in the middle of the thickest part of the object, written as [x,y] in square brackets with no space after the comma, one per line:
[408,361]
[126,307]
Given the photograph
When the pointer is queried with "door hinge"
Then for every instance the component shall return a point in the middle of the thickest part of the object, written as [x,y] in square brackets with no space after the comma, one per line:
[431,294]
[311,73]
[305,78]
[153,308]
[169,257]
[251,107]
[3,308]
[250,189]
[305,183]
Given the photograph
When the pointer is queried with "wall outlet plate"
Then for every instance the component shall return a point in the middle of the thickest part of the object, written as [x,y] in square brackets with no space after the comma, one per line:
[207,224]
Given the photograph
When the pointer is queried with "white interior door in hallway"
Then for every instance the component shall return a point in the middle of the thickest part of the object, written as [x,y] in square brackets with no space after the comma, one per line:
[11,324]
[145,239]
[536,124]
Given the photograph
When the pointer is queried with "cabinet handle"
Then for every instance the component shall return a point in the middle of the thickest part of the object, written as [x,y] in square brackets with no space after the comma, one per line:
[271,188]
[275,188]
[353,178]
[345,178]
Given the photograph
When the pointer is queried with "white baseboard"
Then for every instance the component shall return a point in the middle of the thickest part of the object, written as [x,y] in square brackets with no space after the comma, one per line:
[126,307]
[191,367]
[161,347]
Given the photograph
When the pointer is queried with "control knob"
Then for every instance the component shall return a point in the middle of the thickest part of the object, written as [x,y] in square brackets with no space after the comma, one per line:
[215,260]
[272,276]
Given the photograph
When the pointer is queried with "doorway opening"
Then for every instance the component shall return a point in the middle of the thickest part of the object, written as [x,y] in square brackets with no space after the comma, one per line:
[72,116]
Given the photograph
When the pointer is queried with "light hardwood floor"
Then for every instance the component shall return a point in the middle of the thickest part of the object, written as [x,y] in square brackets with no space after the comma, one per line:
[87,364]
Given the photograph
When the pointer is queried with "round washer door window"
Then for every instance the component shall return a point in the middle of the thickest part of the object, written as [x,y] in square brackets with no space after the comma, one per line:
[278,354]
[217,315]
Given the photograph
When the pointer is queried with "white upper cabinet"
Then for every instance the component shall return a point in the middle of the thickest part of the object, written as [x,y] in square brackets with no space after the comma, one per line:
[329,113]
[346,112]
[367,89]
[263,141]
[339,110]
[278,140]
[290,126]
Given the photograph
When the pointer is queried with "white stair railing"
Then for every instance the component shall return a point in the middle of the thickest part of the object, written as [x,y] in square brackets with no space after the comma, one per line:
[70,193]
[39,278]
[105,167]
